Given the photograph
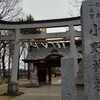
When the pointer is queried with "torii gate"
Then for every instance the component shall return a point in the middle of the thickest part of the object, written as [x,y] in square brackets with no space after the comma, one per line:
[67,22]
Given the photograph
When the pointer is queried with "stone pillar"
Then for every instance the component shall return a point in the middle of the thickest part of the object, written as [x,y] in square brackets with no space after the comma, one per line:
[91,48]
[13,85]
[68,79]
[73,53]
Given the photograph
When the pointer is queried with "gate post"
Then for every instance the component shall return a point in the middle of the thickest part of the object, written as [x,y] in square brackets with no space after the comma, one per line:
[67,79]
[73,52]
[13,85]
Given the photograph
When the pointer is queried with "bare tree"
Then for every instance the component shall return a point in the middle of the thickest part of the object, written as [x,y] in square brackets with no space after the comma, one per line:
[74,7]
[9,9]
[29,18]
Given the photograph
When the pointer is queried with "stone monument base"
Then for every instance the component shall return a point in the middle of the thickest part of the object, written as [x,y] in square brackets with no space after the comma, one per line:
[13,88]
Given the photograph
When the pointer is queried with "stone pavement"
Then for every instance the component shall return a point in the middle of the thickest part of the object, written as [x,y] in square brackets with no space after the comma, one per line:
[45,92]
[51,92]
[3,89]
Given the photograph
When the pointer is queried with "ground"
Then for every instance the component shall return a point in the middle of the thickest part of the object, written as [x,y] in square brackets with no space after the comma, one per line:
[45,91]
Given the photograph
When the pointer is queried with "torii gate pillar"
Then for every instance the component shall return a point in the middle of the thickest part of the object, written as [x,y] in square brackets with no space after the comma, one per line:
[13,85]
[73,52]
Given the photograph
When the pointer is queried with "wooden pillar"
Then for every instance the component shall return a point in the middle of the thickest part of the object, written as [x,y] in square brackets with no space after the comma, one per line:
[28,72]
[47,75]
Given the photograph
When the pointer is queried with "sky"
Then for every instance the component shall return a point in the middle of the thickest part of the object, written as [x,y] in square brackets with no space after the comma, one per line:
[47,9]
[50,9]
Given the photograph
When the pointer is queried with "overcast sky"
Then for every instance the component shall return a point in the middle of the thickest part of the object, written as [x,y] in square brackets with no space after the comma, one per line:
[47,9]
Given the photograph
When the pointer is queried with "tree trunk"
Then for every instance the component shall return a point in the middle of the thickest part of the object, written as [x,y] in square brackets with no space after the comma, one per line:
[3,63]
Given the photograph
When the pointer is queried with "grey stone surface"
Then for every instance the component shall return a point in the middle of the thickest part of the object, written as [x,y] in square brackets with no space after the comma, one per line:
[14,70]
[68,79]
[80,75]
[13,88]
[91,46]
